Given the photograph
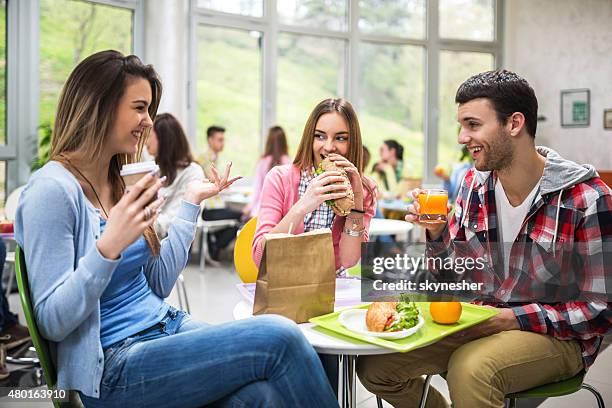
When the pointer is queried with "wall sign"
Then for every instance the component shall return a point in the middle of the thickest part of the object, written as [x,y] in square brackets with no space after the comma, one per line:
[575,108]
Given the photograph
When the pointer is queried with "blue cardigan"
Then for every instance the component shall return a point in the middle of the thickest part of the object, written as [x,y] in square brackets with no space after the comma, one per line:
[58,227]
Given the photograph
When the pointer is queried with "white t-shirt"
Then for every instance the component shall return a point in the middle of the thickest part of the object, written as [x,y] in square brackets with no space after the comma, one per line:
[510,219]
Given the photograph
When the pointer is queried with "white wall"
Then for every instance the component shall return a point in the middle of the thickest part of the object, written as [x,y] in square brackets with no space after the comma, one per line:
[565,44]
[166,47]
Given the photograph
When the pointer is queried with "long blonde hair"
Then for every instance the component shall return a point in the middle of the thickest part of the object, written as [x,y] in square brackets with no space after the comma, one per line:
[86,113]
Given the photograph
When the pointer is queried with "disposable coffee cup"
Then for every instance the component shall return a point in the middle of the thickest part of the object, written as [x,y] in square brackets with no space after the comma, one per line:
[133,172]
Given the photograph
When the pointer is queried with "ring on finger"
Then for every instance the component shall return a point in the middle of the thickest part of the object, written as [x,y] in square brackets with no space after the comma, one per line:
[147,213]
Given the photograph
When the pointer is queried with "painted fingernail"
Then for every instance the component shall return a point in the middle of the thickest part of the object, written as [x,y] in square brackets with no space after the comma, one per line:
[163,179]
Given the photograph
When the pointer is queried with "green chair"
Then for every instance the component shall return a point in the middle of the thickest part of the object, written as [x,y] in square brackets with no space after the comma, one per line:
[40,344]
[556,389]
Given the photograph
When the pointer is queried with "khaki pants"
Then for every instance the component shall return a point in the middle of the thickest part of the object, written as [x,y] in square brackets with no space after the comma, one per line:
[479,373]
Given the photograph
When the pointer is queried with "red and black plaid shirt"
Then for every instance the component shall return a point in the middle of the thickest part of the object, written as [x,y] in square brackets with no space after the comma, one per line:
[583,220]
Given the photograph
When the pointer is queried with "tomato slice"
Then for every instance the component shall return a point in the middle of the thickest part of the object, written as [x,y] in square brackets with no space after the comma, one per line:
[389,322]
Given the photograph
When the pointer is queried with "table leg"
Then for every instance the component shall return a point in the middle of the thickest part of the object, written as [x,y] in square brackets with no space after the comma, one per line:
[203,247]
[349,382]
[341,382]
[352,381]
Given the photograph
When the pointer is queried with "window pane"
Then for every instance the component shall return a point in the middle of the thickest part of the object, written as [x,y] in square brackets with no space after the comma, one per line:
[244,7]
[2,72]
[467,19]
[391,99]
[69,32]
[404,18]
[328,14]
[229,92]
[455,68]
[310,69]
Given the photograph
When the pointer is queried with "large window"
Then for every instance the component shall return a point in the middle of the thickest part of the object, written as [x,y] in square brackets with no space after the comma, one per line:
[399,63]
[243,7]
[327,14]
[318,62]
[2,75]
[402,18]
[467,19]
[455,67]
[391,99]
[3,140]
[69,32]
[229,92]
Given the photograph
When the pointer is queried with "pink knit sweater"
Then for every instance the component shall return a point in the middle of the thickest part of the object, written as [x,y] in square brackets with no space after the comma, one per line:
[280,193]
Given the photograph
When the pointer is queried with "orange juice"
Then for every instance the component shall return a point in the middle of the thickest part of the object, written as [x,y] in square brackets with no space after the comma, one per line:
[433,203]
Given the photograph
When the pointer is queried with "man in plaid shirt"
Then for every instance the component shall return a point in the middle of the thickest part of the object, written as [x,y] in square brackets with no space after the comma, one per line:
[527,197]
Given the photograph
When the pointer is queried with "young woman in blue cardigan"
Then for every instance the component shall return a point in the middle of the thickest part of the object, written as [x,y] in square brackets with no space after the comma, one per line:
[99,274]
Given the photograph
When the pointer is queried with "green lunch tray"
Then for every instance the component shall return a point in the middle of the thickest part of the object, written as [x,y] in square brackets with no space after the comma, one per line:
[429,333]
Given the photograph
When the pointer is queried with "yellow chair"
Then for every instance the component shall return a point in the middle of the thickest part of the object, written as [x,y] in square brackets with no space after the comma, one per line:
[243,260]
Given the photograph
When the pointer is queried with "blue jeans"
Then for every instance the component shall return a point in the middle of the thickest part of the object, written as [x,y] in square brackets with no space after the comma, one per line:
[263,361]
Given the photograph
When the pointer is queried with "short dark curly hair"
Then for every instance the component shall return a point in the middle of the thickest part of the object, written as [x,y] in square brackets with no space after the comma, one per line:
[507,92]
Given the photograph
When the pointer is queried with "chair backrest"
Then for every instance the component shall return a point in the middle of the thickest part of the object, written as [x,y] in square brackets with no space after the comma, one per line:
[243,260]
[10,206]
[41,344]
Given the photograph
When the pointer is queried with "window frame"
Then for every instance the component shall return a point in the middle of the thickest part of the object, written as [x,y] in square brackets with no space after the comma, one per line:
[23,89]
[269,25]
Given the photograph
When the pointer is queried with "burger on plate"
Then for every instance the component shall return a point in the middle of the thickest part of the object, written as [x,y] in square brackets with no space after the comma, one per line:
[392,316]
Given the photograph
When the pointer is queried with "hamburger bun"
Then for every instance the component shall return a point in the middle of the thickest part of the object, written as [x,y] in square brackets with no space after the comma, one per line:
[381,315]
[341,206]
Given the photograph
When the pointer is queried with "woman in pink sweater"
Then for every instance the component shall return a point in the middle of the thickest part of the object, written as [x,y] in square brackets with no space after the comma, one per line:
[293,195]
[275,154]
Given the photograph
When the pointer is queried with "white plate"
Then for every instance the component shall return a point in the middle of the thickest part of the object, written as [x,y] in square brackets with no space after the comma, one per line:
[355,320]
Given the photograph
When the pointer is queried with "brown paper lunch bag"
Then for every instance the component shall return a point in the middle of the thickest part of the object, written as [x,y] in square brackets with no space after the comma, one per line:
[297,276]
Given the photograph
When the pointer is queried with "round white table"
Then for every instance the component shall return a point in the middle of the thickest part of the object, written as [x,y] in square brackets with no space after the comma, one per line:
[383,226]
[324,344]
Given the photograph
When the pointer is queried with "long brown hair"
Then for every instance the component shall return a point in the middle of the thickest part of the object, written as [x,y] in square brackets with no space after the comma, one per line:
[173,151]
[304,157]
[86,113]
[276,145]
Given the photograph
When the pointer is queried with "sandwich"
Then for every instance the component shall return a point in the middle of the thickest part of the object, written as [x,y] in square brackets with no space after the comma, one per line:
[392,316]
[340,206]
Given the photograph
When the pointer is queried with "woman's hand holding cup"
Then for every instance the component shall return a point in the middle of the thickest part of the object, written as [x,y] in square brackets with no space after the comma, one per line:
[128,219]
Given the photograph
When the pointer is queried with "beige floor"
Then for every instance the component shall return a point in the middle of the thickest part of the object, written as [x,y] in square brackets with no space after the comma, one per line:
[212,296]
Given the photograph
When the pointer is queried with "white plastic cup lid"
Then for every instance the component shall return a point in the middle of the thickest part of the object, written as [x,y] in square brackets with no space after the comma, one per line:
[136,168]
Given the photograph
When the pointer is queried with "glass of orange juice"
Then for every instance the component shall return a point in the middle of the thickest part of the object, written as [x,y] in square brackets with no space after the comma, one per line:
[433,203]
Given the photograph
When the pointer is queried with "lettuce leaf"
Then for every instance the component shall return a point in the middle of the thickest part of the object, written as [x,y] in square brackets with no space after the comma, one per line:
[407,313]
